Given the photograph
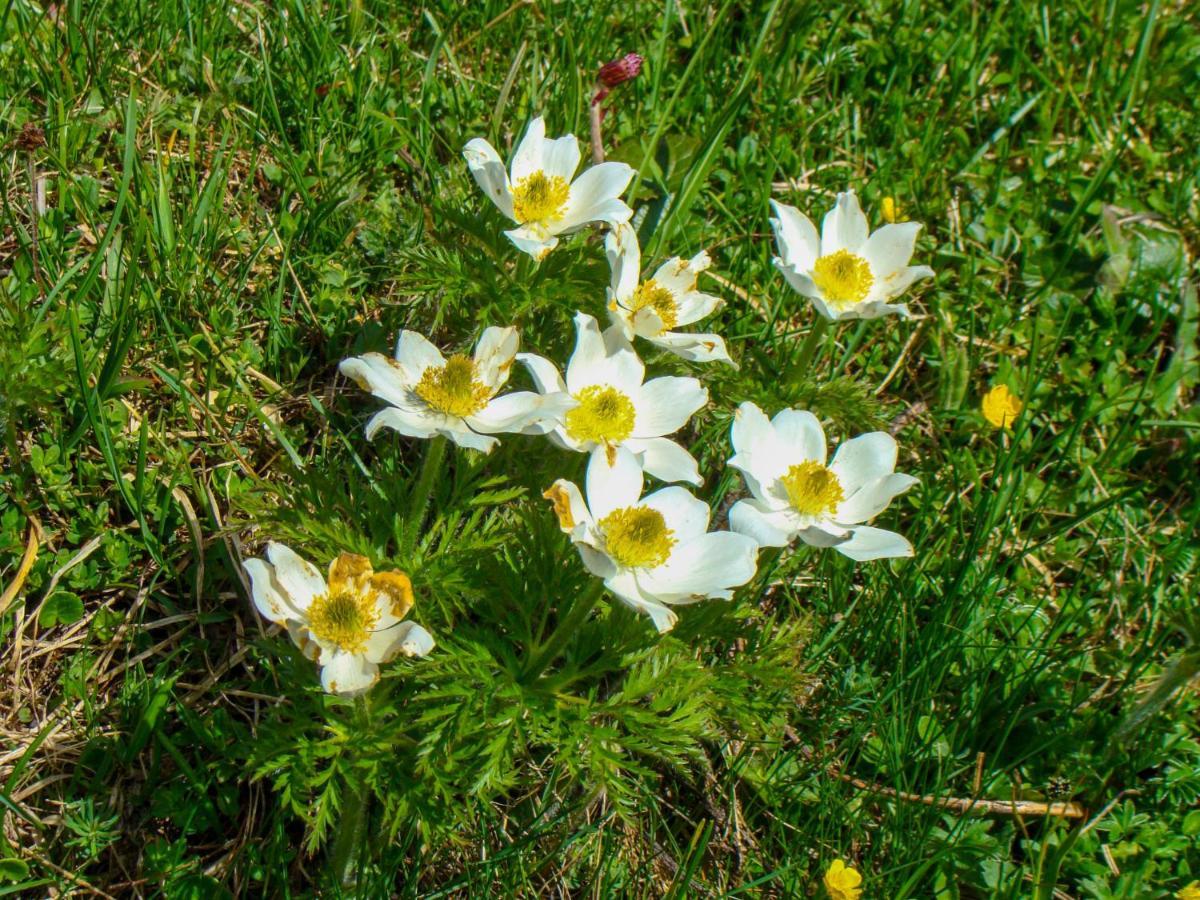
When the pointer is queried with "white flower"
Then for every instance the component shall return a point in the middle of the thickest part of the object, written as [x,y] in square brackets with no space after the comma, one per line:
[653,552]
[540,196]
[846,273]
[653,307]
[797,495]
[348,624]
[612,408]
[455,397]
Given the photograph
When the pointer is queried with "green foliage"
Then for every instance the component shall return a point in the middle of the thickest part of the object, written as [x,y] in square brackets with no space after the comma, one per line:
[237,196]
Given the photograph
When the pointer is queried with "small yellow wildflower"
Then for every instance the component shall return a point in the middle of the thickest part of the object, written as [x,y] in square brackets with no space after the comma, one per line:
[1191,892]
[891,210]
[842,882]
[1001,407]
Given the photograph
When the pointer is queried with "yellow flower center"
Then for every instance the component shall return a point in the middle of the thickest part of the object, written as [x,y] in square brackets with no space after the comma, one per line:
[540,198]
[652,295]
[604,416]
[812,489]
[344,619]
[843,278]
[453,389]
[637,536]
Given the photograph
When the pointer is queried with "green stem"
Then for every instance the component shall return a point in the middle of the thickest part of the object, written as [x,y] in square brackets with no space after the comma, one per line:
[344,856]
[550,648]
[799,368]
[435,455]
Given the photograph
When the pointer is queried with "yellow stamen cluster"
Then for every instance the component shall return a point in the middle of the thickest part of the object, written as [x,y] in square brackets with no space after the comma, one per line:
[540,198]
[604,415]
[843,278]
[637,536]
[650,294]
[453,389]
[344,619]
[812,489]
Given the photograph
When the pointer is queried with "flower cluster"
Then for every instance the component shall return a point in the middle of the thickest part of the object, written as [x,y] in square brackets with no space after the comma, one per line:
[653,551]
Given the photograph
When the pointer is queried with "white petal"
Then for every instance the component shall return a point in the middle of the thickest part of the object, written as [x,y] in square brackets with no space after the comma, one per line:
[874,543]
[751,428]
[303,639]
[664,405]
[679,275]
[375,373]
[696,347]
[706,565]
[625,587]
[795,236]
[870,309]
[890,248]
[414,354]
[300,579]
[569,508]
[863,459]
[560,156]
[665,459]
[544,373]
[494,355]
[464,437]
[800,431]
[612,482]
[348,673]
[415,423]
[528,158]
[799,281]
[267,593]
[844,227]
[625,261]
[532,241]
[512,412]
[694,306]
[894,285]
[405,637]
[603,359]
[594,196]
[766,527]
[872,498]
[686,515]
[823,534]
[589,353]
[487,167]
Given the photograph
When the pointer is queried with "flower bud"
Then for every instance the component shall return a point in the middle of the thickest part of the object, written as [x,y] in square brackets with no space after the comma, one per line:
[621,70]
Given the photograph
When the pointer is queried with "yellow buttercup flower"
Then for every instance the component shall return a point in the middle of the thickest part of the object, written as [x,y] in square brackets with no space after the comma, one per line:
[891,210]
[1001,407]
[1191,892]
[842,882]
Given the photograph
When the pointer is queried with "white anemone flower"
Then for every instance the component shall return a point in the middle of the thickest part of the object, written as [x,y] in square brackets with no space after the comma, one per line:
[455,397]
[349,624]
[846,272]
[653,308]
[653,552]
[611,407]
[540,196]
[795,494]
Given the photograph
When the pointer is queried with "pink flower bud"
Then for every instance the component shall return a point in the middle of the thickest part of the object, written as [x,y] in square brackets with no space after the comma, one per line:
[621,70]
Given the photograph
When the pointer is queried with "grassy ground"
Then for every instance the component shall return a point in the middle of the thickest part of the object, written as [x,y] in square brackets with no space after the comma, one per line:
[234,197]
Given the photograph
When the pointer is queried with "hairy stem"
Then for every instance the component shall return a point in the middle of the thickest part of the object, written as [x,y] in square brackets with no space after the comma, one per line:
[808,349]
[596,117]
[550,648]
[344,856]
[435,456]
